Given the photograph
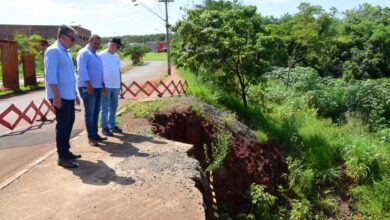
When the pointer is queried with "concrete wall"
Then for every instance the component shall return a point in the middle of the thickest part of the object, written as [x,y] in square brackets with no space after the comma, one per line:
[46,31]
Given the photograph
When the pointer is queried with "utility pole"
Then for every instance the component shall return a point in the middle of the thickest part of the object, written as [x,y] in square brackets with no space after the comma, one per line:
[166,26]
[168,38]
[167,34]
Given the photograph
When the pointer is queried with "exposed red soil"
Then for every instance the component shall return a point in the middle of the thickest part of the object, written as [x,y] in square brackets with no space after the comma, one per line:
[247,161]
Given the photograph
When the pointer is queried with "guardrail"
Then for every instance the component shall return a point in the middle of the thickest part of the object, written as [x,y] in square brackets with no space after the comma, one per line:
[135,89]
[23,114]
[149,88]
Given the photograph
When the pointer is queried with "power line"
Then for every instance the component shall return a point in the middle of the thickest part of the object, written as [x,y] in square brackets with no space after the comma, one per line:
[166,21]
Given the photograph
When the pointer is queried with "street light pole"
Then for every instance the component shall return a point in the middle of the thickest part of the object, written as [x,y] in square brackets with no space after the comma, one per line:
[168,39]
[166,27]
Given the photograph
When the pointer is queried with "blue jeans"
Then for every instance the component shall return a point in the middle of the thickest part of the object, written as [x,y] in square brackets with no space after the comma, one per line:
[65,118]
[109,107]
[91,109]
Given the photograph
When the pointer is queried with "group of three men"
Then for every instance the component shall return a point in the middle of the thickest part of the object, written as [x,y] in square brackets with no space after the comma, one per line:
[98,84]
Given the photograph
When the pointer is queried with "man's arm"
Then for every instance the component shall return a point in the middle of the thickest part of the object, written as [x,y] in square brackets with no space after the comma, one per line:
[51,64]
[120,73]
[82,69]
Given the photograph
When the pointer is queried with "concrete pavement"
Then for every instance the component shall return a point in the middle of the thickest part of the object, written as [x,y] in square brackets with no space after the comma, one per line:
[130,176]
[29,142]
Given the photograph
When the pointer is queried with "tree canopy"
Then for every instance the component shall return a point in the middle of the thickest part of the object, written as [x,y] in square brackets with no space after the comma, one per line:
[237,44]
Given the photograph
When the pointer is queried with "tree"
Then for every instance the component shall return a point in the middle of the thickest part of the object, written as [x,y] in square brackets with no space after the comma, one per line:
[309,36]
[136,52]
[186,50]
[230,41]
[28,44]
[365,38]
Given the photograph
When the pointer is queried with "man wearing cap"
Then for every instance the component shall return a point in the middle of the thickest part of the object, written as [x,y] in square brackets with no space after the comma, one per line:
[112,81]
[91,86]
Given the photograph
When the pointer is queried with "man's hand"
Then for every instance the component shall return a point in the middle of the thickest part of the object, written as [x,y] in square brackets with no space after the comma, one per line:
[90,89]
[77,101]
[104,91]
[57,102]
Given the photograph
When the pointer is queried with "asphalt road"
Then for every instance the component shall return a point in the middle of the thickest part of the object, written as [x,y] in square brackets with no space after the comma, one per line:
[28,142]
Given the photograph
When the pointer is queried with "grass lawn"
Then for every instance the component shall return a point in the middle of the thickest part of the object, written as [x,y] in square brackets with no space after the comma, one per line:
[155,56]
[21,89]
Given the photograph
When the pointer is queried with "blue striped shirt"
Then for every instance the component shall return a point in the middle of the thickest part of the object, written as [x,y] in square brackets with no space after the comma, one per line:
[59,71]
[89,68]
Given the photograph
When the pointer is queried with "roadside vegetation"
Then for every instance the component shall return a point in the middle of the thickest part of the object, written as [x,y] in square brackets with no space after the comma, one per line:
[135,52]
[30,45]
[315,83]
[22,89]
[155,56]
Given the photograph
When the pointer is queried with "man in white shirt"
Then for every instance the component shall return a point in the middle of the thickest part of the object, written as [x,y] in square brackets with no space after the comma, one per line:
[112,82]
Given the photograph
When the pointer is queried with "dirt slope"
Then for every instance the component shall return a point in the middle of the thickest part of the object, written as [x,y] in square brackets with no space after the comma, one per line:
[247,161]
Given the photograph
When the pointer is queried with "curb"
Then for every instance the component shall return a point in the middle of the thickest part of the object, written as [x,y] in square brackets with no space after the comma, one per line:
[31,165]
[20,173]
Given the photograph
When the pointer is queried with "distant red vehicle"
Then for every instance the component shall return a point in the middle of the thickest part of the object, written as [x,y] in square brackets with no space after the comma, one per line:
[162,46]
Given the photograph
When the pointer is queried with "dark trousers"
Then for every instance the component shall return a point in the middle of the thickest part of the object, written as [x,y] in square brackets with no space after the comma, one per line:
[65,117]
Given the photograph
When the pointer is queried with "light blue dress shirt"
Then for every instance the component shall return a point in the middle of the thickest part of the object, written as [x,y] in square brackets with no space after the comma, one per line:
[59,70]
[89,68]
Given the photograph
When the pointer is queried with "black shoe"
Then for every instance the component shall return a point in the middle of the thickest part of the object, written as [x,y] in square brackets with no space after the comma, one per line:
[74,156]
[116,130]
[93,143]
[107,132]
[67,163]
[100,138]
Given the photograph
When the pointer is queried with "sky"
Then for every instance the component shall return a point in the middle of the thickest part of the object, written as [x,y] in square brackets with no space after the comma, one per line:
[122,17]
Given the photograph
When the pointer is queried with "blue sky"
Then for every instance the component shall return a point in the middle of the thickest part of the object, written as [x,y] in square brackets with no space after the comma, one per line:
[122,17]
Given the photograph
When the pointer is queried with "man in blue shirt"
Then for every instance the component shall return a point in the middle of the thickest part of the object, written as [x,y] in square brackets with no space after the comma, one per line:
[61,91]
[91,87]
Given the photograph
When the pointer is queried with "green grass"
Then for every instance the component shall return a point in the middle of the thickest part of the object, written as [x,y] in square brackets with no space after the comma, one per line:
[219,150]
[144,109]
[155,56]
[318,145]
[197,89]
[21,89]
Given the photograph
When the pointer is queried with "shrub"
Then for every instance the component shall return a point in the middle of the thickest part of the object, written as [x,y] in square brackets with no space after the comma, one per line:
[262,202]
[301,78]
[374,199]
[300,210]
[136,52]
[219,151]
[371,100]
[384,135]
[361,159]
[330,100]
[300,179]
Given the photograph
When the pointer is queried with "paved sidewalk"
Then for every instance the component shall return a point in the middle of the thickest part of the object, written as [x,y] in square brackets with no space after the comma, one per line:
[129,177]
[21,146]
